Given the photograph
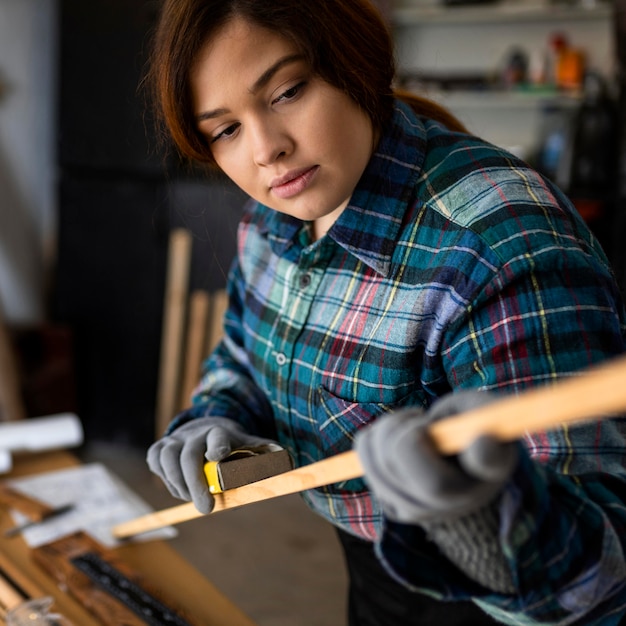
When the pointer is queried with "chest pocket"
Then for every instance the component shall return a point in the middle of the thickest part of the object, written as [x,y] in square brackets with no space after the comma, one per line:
[338,420]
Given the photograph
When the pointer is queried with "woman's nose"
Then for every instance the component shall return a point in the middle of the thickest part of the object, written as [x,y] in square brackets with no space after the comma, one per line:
[269,142]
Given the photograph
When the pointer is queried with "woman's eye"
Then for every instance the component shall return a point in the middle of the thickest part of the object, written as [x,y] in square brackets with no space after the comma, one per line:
[227,132]
[291,93]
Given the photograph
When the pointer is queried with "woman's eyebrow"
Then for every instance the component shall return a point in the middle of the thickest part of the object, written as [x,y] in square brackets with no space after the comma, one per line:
[207,115]
[267,74]
[259,83]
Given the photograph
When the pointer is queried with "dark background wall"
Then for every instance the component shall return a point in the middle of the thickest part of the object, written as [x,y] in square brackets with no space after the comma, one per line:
[118,200]
[617,227]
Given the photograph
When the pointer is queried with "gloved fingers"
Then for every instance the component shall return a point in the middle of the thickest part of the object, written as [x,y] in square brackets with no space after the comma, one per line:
[194,485]
[373,444]
[409,476]
[401,461]
[489,459]
[219,444]
[438,480]
[178,458]
[382,482]
[174,460]
[153,458]
[162,460]
[460,402]
[402,447]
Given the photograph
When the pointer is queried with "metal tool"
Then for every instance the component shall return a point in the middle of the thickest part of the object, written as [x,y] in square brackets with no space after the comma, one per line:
[35,612]
[108,587]
[60,510]
[129,593]
[17,608]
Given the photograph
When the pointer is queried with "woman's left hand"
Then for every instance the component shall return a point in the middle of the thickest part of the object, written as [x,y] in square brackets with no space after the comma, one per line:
[413,482]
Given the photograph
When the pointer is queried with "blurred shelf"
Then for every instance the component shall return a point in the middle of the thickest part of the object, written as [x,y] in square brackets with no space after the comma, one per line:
[461,99]
[498,12]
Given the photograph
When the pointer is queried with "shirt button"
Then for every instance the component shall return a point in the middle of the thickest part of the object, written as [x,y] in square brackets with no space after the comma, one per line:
[281,359]
[305,281]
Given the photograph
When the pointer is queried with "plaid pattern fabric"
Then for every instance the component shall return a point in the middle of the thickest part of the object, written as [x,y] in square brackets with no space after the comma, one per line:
[454,266]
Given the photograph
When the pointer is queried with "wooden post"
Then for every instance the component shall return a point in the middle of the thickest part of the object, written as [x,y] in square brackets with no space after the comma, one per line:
[11,402]
[175,306]
[219,304]
[194,349]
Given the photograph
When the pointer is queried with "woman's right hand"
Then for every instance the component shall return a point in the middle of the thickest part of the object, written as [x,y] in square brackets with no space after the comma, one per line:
[178,458]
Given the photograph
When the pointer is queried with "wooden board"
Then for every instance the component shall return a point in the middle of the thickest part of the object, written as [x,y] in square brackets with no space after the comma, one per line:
[56,559]
[159,565]
[11,498]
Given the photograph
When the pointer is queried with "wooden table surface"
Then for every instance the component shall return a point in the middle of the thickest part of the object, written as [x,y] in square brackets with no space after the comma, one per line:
[157,563]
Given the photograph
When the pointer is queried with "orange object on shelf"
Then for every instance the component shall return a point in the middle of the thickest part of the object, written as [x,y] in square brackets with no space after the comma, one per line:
[569,70]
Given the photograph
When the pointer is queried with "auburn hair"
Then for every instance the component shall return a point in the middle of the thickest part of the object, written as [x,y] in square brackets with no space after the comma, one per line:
[345,42]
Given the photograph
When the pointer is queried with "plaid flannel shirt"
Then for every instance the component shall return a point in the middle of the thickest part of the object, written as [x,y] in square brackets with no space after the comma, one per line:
[454,265]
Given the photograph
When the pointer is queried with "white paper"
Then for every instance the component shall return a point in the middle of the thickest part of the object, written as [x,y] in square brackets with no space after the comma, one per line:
[101,500]
[63,430]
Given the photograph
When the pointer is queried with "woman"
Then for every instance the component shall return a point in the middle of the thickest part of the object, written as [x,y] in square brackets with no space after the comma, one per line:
[388,258]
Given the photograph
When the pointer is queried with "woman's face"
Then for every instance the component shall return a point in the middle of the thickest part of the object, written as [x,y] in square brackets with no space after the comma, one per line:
[287,138]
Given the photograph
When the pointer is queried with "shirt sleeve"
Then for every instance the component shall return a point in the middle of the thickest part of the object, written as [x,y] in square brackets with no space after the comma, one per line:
[226,388]
[562,517]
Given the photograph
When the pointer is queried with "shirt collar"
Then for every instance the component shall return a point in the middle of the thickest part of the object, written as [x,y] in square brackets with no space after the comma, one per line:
[368,227]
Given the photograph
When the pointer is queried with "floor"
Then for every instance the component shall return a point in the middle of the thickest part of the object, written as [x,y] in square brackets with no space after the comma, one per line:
[276,560]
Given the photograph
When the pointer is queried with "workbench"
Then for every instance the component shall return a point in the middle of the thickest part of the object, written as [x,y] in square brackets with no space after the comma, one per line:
[156,562]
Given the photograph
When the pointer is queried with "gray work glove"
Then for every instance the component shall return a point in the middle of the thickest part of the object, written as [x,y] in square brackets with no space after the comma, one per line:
[178,458]
[413,482]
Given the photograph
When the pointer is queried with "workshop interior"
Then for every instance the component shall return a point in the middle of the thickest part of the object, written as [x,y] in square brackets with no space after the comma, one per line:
[114,257]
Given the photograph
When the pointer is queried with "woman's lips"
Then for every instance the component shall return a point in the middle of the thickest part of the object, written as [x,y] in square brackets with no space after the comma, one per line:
[294,182]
